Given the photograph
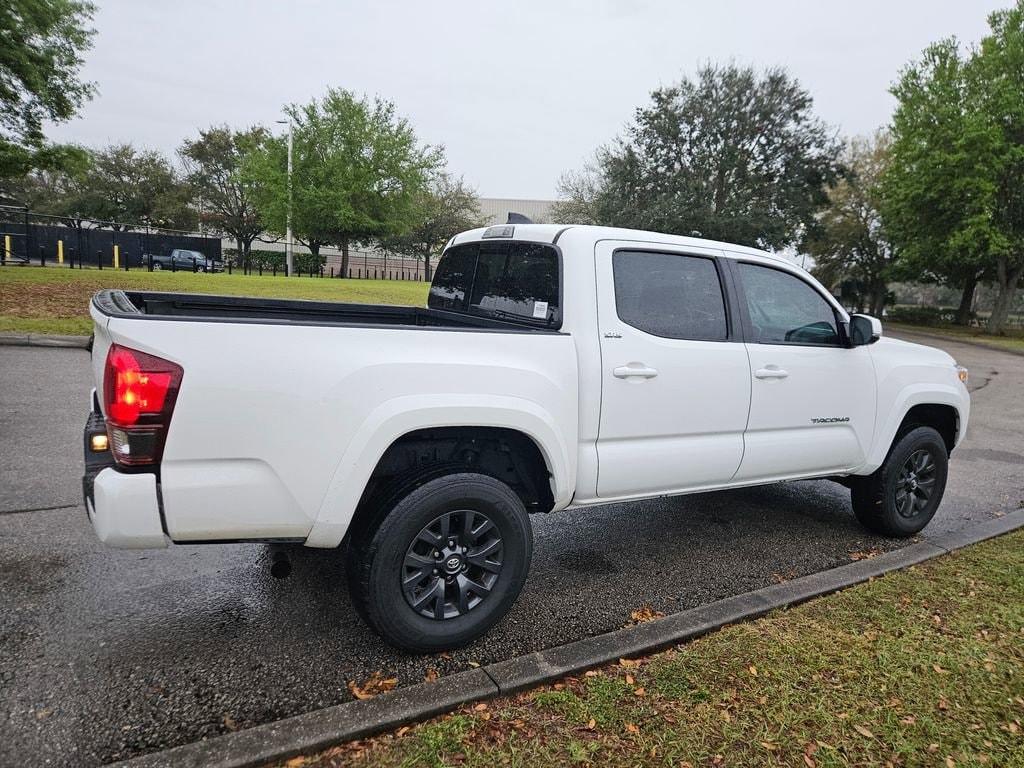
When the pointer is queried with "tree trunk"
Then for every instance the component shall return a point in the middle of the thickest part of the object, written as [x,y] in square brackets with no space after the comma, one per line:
[239,251]
[963,312]
[314,249]
[344,257]
[426,266]
[1007,278]
[879,291]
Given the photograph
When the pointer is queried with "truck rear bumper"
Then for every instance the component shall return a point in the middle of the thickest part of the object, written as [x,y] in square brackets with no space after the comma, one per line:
[124,510]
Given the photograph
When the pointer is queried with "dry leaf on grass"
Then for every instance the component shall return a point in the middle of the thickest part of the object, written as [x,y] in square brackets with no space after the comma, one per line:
[376,684]
[628,663]
[863,731]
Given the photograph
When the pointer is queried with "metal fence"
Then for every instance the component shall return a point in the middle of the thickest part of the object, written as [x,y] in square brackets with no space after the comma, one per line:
[27,237]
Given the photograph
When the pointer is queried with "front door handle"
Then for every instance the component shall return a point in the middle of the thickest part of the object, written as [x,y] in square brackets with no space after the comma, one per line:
[634,369]
[771,372]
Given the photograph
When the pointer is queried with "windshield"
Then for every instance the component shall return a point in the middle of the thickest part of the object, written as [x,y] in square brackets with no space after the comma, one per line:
[508,280]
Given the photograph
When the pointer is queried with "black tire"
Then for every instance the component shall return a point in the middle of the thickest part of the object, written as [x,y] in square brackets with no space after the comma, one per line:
[900,498]
[425,592]
[157,266]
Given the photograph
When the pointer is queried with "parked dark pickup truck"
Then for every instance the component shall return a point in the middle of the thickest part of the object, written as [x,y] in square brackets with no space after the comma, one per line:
[181,259]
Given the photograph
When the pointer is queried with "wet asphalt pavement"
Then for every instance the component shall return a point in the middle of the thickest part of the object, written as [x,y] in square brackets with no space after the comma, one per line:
[108,654]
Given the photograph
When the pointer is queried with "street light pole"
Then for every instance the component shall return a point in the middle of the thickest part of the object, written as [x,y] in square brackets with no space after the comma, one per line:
[289,247]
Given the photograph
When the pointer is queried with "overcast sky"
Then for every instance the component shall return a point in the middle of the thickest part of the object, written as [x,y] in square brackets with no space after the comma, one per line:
[517,92]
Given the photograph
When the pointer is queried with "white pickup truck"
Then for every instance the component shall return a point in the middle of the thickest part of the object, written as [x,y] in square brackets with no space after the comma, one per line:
[553,367]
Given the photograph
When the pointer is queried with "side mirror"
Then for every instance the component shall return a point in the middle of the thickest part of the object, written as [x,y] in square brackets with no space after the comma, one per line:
[864,329]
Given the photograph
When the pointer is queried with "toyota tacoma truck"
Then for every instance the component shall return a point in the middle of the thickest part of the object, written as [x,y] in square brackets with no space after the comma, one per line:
[552,367]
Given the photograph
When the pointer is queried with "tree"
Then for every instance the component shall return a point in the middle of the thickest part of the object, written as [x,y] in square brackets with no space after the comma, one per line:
[213,167]
[849,242]
[358,170]
[124,186]
[931,190]
[732,155]
[953,198]
[999,76]
[41,46]
[444,209]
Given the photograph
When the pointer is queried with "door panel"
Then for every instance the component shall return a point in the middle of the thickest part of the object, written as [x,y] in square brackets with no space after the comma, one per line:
[673,410]
[818,419]
[812,405]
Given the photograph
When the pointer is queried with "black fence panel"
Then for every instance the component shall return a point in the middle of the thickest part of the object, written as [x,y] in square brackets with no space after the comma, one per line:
[30,237]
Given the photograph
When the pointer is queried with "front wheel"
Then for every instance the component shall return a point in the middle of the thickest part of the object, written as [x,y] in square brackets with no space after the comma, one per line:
[157,266]
[900,498]
[444,565]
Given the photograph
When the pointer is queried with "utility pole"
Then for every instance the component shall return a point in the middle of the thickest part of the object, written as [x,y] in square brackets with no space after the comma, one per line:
[289,240]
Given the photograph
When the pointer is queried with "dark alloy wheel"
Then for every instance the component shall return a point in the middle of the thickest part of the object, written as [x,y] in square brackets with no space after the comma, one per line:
[452,564]
[915,483]
[444,562]
[901,497]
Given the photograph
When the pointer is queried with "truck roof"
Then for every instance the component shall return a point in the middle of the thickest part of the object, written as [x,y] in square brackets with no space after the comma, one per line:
[552,233]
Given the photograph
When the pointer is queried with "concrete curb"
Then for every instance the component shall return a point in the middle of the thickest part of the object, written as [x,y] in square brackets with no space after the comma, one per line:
[318,730]
[897,330]
[42,340]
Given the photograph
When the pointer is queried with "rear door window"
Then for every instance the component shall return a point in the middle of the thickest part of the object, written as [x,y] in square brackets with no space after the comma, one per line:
[671,295]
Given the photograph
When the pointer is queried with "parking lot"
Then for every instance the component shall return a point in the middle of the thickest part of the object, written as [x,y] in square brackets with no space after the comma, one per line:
[108,654]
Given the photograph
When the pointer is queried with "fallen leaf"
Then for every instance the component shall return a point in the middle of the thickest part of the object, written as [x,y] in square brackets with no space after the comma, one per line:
[863,731]
[943,703]
[402,731]
[481,706]
[933,748]
[591,724]
[229,723]
[770,746]
[726,716]
[629,663]
[865,555]
[639,691]
[632,728]
[752,670]
[376,684]
[909,720]
[629,680]
[809,761]
[939,670]
[644,614]
[950,762]
[591,673]
[295,762]
[431,675]
[473,663]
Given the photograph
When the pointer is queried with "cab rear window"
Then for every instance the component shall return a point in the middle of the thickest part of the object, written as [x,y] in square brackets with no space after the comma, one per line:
[504,280]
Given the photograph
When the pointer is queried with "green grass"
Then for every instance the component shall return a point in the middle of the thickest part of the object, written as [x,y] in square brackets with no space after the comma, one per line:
[53,300]
[920,667]
[1013,339]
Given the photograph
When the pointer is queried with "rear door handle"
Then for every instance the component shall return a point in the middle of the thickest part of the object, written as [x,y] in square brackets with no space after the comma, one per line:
[634,369]
[771,372]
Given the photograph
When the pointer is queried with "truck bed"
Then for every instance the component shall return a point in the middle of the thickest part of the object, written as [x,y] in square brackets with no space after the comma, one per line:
[138,305]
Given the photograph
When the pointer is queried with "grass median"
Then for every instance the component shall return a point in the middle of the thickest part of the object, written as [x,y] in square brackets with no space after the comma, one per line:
[54,300]
[920,667]
[1013,339]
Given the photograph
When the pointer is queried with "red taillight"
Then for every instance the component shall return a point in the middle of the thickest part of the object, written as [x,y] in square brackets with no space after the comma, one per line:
[139,393]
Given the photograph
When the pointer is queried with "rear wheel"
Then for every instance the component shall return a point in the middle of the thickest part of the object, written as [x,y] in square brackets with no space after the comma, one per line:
[157,266]
[444,564]
[901,497]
